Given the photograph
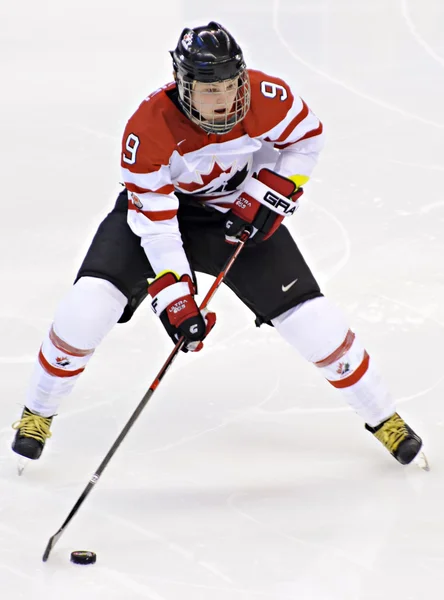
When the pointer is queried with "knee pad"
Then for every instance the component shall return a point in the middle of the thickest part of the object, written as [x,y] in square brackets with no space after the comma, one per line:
[88,312]
[319,331]
[315,328]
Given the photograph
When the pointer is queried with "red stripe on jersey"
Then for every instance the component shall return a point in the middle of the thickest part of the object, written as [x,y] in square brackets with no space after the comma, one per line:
[312,133]
[154,215]
[292,125]
[309,134]
[165,189]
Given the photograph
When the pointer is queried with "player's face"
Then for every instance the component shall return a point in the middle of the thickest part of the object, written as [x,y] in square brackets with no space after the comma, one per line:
[214,101]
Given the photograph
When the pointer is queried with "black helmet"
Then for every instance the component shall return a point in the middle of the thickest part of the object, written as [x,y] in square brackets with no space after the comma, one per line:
[210,54]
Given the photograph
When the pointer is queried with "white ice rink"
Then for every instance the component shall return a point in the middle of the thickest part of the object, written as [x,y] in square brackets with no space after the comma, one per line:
[246,477]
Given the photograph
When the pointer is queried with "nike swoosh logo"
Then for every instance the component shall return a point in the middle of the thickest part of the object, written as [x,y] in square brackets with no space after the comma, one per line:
[181,142]
[285,288]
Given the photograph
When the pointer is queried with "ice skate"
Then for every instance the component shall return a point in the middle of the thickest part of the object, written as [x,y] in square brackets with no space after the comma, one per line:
[32,433]
[401,441]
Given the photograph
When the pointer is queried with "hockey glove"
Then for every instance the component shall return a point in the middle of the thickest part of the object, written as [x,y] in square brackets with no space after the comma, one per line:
[173,301]
[262,206]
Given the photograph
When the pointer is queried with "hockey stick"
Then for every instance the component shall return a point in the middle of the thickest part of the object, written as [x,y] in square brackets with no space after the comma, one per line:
[169,361]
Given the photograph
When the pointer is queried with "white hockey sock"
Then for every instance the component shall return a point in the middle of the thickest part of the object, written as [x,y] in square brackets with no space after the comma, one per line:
[86,314]
[319,331]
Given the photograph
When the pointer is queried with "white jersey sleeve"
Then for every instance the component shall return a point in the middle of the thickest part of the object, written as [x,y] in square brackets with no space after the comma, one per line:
[152,204]
[283,119]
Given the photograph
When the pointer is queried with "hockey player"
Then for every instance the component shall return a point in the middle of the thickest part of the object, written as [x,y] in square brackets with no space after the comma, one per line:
[221,148]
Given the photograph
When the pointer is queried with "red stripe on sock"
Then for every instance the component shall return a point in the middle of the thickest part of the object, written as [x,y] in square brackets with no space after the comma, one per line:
[64,347]
[56,371]
[339,352]
[355,376]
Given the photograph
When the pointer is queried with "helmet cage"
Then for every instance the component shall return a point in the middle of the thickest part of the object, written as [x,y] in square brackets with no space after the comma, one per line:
[232,113]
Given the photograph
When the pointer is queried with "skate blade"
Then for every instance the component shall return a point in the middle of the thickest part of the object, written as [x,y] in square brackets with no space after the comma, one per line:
[421,461]
[21,464]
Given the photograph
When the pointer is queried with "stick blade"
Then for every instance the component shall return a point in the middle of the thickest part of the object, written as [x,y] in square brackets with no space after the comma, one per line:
[52,542]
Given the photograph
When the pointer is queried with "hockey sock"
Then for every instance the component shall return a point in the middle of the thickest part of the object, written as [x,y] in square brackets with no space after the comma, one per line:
[319,331]
[86,314]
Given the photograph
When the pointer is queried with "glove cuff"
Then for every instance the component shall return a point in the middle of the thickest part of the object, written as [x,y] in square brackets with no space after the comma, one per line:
[270,198]
[167,288]
[284,185]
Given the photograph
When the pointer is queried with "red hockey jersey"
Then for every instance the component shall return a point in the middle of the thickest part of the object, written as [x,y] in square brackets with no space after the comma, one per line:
[163,152]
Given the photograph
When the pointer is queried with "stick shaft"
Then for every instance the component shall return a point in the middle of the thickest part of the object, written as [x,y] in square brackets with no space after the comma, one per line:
[167,364]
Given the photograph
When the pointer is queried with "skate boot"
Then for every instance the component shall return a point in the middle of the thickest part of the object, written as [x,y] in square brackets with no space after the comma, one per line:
[399,439]
[32,433]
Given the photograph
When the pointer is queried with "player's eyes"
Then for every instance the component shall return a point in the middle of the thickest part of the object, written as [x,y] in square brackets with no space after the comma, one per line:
[228,88]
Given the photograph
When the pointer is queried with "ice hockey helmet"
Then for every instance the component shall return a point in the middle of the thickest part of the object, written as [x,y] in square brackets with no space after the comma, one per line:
[210,54]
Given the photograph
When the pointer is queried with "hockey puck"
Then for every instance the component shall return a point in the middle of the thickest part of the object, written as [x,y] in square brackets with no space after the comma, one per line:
[83,557]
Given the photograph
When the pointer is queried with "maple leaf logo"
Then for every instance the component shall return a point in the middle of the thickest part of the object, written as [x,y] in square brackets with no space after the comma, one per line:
[343,368]
[62,361]
[205,179]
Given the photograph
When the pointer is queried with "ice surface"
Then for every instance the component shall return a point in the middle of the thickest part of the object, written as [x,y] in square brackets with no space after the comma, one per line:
[246,477]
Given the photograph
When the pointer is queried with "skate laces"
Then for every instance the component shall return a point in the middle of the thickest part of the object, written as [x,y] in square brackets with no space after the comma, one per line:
[34,426]
[392,432]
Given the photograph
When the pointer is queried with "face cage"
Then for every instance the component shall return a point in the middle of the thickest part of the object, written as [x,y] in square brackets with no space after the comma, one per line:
[234,113]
